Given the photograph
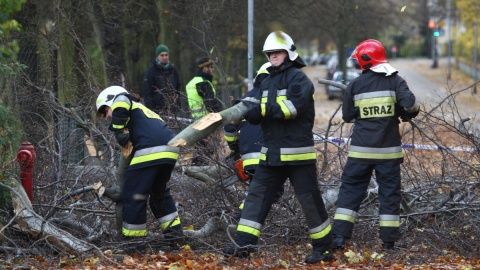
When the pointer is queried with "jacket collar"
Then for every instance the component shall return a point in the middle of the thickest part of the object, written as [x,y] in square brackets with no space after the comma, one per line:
[204,75]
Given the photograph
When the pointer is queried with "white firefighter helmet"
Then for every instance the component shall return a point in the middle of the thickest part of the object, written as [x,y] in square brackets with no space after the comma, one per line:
[278,40]
[263,69]
[106,97]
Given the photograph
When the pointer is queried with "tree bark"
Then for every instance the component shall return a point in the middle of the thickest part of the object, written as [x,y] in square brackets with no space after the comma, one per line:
[207,125]
[32,223]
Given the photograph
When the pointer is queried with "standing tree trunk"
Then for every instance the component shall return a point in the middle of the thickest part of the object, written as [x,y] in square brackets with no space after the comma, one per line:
[109,16]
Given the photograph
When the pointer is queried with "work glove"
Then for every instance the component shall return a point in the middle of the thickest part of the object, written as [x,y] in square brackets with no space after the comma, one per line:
[122,138]
[407,116]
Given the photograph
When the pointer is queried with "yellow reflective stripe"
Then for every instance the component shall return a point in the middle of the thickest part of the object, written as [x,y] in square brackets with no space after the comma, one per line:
[284,107]
[241,205]
[347,212]
[168,217]
[389,220]
[250,161]
[249,230]
[127,232]
[169,224]
[263,101]
[307,156]
[146,111]
[154,156]
[322,233]
[120,104]
[280,39]
[374,101]
[231,136]
[344,217]
[118,126]
[263,156]
[375,155]
[389,223]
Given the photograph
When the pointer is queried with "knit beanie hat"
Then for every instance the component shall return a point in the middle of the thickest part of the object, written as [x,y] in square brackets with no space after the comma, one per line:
[202,62]
[160,49]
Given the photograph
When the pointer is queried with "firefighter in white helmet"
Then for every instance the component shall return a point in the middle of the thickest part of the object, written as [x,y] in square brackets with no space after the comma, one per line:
[285,110]
[150,168]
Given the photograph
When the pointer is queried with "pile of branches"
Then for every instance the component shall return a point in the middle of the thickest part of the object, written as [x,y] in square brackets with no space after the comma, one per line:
[76,206]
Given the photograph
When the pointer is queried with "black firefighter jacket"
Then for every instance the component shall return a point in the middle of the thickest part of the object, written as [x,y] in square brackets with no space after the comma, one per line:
[286,113]
[147,131]
[373,101]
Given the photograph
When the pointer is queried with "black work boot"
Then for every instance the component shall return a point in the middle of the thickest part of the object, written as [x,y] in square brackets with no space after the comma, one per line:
[388,246]
[319,256]
[134,245]
[245,243]
[174,237]
[239,252]
[338,242]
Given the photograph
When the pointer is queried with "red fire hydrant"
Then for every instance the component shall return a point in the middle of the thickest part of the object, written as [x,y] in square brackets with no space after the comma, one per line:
[26,157]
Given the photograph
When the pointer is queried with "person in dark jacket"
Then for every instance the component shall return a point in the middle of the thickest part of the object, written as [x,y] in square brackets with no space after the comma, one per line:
[374,101]
[161,88]
[285,110]
[150,167]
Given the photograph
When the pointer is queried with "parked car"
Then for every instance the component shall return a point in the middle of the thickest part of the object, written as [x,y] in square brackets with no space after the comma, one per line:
[324,59]
[335,92]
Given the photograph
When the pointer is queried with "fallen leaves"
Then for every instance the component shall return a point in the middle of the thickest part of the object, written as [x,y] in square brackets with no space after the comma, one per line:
[279,257]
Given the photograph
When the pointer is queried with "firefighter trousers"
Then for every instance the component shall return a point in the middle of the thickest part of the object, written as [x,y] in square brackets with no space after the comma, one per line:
[355,180]
[148,184]
[262,193]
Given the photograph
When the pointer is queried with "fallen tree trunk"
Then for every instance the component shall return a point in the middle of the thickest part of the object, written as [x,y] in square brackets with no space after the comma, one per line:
[208,124]
[34,224]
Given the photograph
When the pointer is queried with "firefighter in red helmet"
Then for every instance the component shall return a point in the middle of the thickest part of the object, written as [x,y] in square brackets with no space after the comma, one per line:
[374,102]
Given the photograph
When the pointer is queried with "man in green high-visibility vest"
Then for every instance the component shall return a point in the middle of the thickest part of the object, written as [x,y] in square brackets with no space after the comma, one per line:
[202,99]
[200,91]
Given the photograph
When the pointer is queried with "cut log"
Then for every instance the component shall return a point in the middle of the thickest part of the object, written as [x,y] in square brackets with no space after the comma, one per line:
[213,225]
[206,125]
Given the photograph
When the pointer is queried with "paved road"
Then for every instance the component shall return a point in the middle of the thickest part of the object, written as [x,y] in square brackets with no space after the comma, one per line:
[428,85]
[425,90]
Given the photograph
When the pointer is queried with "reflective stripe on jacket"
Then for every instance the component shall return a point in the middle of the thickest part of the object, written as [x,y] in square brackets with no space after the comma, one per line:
[286,115]
[148,133]
[373,101]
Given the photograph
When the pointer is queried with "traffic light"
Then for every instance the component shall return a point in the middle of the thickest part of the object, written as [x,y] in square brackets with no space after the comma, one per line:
[431,24]
[436,33]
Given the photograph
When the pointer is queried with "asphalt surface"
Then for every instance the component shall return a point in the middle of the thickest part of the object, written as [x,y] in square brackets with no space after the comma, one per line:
[430,86]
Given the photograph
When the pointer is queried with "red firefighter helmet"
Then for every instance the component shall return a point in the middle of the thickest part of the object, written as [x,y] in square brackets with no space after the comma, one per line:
[369,53]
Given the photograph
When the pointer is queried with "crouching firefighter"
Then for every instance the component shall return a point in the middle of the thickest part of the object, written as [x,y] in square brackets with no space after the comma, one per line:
[150,167]
[245,141]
